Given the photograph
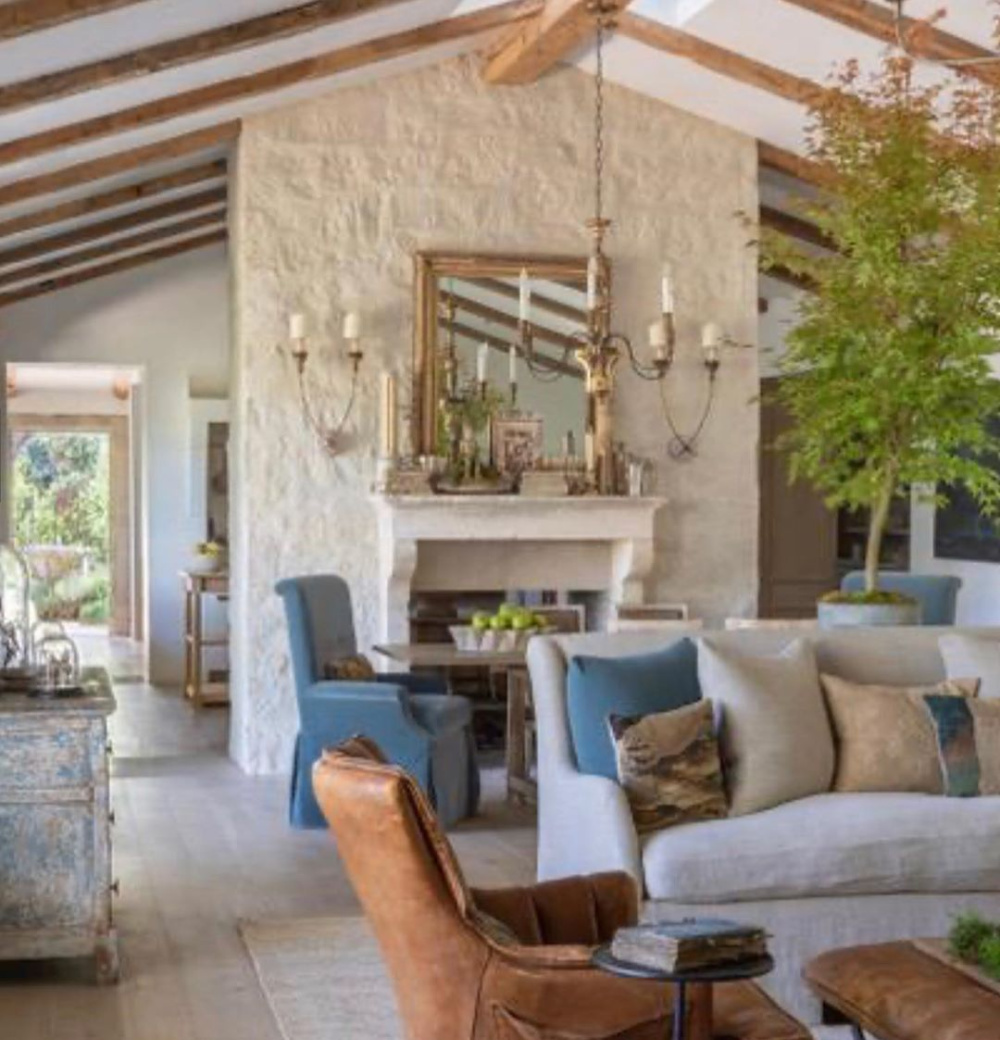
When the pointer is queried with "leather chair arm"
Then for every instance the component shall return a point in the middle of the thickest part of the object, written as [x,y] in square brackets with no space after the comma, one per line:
[569,912]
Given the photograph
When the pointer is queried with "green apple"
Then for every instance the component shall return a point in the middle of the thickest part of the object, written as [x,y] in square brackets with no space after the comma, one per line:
[507,610]
[481,621]
[501,621]
[522,622]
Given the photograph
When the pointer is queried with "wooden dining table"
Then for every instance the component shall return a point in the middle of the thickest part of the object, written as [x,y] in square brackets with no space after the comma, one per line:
[445,656]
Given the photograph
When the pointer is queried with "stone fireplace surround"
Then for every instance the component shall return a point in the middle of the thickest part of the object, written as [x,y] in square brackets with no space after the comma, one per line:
[461,543]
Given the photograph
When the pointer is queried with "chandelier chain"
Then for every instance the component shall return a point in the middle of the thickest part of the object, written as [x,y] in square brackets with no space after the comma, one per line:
[599,121]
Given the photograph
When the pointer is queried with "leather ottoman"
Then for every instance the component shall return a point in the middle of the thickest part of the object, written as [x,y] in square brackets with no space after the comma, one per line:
[897,992]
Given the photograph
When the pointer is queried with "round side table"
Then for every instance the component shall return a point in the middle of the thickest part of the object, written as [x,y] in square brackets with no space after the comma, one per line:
[695,982]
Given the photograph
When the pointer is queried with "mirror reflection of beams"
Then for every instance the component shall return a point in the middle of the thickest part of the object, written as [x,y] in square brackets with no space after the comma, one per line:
[485,294]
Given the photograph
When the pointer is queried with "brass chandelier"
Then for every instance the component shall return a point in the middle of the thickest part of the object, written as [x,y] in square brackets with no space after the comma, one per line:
[599,348]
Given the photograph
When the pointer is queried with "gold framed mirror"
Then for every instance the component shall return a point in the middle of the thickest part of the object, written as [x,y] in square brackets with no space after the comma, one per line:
[467,304]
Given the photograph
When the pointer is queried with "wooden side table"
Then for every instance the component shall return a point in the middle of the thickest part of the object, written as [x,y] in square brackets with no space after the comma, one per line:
[200,686]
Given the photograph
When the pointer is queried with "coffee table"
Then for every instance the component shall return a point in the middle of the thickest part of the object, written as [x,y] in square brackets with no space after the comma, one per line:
[695,983]
[898,991]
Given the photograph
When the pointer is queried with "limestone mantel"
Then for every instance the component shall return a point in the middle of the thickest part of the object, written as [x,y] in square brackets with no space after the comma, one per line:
[459,542]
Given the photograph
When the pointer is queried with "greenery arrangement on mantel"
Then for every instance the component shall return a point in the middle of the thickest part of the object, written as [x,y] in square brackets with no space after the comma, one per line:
[889,383]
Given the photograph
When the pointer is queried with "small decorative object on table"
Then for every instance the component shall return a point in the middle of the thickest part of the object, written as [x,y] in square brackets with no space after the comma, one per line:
[209,557]
[504,632]
[691,955]
[517,442]
[57,661]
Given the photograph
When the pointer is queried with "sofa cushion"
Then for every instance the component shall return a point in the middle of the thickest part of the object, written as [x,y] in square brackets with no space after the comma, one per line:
[830,844]
[776,739]
[885,736]
[640,684]
[669,765]
[968,740]
[973,656]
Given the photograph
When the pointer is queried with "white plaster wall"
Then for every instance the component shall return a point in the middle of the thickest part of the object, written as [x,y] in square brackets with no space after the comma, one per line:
[331,199]
[172,319]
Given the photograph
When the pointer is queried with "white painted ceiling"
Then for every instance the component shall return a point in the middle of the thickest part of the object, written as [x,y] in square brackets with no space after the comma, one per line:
[771,31]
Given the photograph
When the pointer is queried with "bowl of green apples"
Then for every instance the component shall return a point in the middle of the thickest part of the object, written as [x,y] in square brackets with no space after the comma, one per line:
[506,631]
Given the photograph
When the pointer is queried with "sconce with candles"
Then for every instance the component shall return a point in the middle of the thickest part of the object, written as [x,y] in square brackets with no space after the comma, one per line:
[330,436]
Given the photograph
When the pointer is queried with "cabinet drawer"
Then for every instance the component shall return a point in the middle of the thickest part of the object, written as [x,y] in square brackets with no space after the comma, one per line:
[48,873]
[36,754]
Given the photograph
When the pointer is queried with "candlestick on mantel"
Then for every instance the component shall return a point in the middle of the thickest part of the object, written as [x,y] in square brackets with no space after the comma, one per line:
[388,442]
[352,325]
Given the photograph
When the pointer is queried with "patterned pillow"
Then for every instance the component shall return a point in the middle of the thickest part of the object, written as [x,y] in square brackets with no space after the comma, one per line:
[968,739]
[669,765]
[885,738]
[352,668]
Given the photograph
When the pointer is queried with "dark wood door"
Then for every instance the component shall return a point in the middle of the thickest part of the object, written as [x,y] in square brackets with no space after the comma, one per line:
[798,533]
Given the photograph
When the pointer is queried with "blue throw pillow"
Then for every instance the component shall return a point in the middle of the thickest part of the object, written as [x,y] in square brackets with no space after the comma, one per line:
[643,684]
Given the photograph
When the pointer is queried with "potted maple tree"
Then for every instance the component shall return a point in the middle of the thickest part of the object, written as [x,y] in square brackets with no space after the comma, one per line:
[887,372]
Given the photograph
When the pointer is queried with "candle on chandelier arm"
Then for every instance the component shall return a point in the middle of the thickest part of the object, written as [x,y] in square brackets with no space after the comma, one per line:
[352,325]
[481,361]
[666,291]
[389,428]
[512,365]
[296,326]
[591,283]
[524,297]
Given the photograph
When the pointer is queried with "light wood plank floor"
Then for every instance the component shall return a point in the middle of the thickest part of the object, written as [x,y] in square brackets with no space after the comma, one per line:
[198,846]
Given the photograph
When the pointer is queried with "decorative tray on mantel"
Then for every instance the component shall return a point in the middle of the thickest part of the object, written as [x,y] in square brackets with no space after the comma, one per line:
[502,485]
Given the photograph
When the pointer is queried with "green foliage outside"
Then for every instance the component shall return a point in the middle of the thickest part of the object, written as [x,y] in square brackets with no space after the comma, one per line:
[887,373]
[61,521]
[976,942]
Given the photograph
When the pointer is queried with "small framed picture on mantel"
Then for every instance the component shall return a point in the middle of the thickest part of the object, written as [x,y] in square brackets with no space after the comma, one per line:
[518,442]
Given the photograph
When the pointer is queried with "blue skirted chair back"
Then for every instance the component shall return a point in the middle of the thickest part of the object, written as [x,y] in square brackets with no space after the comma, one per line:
[937,594]
[412,717]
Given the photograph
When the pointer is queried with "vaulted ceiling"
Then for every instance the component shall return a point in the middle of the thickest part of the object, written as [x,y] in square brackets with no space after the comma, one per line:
[117,116]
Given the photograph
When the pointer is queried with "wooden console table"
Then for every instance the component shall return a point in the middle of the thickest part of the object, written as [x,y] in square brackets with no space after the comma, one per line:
[198,686]
[55,827]
[520,786]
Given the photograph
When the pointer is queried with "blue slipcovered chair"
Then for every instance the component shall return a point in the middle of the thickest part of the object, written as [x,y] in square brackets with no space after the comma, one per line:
[411,717]
[936,593]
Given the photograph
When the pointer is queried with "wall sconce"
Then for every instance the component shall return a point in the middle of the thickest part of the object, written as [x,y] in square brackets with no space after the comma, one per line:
[662,340]
[330,436]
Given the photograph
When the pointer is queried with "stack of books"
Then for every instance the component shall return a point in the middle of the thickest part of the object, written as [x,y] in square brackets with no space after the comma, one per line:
[690,944]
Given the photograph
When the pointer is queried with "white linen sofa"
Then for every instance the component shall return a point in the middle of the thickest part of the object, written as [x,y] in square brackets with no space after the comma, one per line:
[820,872]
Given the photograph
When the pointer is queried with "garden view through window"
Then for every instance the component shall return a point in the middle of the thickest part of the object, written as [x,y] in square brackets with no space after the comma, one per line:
[61,502]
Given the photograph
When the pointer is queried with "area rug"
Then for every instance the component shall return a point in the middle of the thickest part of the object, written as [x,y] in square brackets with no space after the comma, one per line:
[323,977]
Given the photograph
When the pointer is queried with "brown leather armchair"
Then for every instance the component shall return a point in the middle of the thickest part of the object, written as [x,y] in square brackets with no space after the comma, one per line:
[508,964]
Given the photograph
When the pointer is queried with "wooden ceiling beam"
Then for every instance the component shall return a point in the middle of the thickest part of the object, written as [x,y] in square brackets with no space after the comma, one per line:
[795,227]
[114,267]
[481,310]
[113,199]
[782,274]
[116,247]
[120,162]
[503,346]
[28,16]
[878,20]
[215,198]
[721,60]
[226,92]
[771,157]
[538,299]
[172,54]
[530,50]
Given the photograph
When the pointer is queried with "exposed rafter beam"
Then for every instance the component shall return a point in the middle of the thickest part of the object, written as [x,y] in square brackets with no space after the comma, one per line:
[215,198]
[538,299]
[114,267]
[772,157]
[120,162]
[721,60]
[116,247]
[174,53]
[794,227]
[503,346]
[226,92]
[28,16]
[464,305]
[782,274]
[530,50]
[878,20]
[113,199]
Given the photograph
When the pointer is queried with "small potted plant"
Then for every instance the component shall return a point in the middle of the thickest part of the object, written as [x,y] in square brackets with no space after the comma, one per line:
[209,557]
[887,375]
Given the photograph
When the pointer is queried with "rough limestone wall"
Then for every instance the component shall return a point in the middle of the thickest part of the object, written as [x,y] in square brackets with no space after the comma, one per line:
[333,197]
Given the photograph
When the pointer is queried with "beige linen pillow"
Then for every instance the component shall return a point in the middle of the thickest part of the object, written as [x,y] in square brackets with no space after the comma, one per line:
[973,655]
[885,738]
[669,765]
[776,739]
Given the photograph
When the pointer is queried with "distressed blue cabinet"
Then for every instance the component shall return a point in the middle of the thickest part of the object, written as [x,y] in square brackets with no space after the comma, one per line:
[55,835]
